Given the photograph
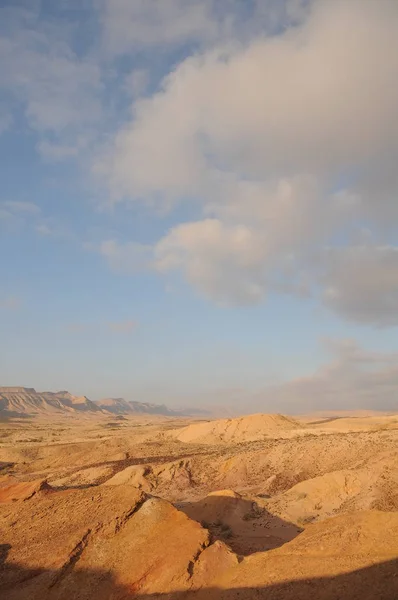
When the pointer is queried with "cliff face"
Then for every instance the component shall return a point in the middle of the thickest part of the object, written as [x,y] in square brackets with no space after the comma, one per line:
[17,390]
[26,401]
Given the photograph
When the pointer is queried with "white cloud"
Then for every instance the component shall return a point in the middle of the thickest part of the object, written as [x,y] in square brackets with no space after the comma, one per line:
[259,135]
[296,103]
[234,263]
[225,263]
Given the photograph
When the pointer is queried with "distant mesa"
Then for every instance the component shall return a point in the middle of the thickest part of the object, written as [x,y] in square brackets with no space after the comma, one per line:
[120,406]
[24,401]
[242,429]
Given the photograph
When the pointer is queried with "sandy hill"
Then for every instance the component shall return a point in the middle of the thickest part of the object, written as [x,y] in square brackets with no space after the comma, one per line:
[242,429]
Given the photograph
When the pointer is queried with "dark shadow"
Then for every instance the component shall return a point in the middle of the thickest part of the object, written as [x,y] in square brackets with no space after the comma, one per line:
[242,524]
[6,466]
[328,420]
[4,550]
[377,582]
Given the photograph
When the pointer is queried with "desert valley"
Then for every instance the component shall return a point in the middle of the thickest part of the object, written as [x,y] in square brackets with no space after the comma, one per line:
[115,500]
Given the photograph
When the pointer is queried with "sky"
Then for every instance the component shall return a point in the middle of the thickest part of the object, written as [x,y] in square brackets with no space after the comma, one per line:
[198,201]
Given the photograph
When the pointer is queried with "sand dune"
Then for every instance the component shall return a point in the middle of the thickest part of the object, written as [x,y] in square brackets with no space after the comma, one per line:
[241,429]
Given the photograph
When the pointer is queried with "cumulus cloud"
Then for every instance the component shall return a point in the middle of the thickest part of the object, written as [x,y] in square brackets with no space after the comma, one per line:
[226,263]
[277,140]
[295,103]
[234,263]
[276,127]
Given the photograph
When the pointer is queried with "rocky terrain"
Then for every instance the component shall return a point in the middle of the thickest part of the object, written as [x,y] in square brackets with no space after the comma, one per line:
[154,507]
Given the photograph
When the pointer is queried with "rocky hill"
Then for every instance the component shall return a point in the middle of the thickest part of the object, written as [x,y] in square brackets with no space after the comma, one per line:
[118,542]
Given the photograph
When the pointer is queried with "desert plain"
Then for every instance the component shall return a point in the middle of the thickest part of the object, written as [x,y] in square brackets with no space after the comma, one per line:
[101,506]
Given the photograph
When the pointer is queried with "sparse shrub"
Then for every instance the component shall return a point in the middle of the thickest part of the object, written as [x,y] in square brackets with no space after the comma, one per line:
[227,533]
[306,520]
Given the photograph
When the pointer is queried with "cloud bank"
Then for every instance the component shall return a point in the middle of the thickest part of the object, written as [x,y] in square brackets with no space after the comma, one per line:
[354,379]
[283,145]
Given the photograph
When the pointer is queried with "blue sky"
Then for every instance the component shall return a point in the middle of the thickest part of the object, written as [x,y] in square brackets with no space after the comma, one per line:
[198,201]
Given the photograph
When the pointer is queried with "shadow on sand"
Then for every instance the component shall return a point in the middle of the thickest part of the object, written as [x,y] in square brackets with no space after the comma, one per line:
[377,582]
[242,524]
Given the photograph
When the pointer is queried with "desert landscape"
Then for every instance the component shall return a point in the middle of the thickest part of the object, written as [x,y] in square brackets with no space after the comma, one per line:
[101,504]
[199,263]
